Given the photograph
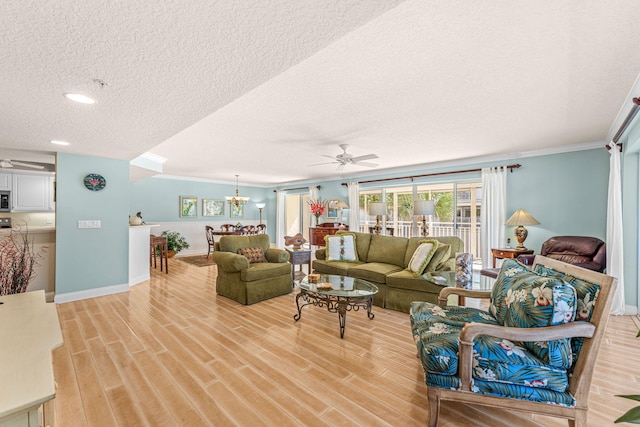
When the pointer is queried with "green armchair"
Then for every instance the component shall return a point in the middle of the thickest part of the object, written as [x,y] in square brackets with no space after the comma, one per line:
[246,282]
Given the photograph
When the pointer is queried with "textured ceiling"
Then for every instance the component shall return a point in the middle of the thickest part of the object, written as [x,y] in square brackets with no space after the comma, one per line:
[265,88]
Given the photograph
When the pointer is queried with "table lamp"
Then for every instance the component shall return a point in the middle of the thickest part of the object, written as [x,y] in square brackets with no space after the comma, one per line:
[341,205]
[424,208]
[518,219]
[378,209]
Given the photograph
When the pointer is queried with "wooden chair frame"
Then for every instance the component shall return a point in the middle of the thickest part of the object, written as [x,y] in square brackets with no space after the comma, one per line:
[210,240]
[579,382]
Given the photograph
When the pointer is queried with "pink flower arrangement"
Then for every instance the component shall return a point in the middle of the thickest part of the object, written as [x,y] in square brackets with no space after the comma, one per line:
[317,208]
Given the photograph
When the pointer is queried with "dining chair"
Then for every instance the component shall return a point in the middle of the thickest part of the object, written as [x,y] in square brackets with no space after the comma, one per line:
[210,239]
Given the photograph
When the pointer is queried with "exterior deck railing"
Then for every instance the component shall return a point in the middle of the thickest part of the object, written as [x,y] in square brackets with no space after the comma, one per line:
[470,237]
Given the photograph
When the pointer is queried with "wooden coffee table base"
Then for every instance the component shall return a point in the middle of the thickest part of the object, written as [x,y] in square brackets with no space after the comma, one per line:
[334,304]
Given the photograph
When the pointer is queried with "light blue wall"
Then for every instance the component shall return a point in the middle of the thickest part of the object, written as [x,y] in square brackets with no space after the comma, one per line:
[566,192]
[91,258]
[158,200]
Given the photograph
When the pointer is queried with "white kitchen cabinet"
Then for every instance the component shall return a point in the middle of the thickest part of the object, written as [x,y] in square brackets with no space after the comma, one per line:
[5,181]
[31,193]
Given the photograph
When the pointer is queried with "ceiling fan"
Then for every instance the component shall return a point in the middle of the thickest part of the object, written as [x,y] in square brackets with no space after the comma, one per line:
[345,158]
[6,163]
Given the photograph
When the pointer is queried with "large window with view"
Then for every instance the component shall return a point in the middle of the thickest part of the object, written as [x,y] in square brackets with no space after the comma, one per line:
[456,211]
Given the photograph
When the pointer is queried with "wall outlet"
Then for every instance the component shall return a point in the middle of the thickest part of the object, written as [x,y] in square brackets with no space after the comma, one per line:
[95,223]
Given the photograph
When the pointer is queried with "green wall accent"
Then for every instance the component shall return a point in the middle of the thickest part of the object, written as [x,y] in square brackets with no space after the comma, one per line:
[91,258]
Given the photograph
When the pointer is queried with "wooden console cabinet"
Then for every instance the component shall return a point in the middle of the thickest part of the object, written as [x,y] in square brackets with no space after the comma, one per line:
[316,234]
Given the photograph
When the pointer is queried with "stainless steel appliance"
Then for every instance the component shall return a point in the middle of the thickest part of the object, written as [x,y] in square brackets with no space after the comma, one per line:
[5,201]
[5,222]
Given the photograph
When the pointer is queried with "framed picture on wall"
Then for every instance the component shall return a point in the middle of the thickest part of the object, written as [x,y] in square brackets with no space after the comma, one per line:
[236,211]
[212,207]
[188,207]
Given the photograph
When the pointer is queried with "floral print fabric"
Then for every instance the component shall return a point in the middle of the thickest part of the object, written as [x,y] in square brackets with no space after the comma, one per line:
[522,298]
[536,371]
[586,294]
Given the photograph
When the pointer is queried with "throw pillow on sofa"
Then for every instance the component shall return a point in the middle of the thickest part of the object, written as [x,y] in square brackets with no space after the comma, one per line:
[422,255]
[341,247]
[441,254]
[254,255]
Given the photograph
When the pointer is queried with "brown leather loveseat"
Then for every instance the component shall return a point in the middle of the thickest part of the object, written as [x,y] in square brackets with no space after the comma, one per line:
[586,252]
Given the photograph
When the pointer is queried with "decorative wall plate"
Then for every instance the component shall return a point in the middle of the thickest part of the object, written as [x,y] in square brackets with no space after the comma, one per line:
[94,182]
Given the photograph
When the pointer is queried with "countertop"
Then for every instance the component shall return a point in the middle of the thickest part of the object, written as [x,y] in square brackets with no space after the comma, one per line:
[33,229]
[30,331]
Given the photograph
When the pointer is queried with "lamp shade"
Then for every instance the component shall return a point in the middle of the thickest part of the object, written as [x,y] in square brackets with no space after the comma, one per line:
[423,207]
[521,217]
[377,208]
[260,205]
[342,205]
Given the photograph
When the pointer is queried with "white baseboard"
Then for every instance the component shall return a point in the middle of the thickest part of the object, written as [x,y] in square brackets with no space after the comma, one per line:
[90,293]
[630,310]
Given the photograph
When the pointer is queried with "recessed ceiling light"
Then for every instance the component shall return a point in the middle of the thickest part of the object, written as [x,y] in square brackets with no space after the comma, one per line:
[59,142]
[79,98]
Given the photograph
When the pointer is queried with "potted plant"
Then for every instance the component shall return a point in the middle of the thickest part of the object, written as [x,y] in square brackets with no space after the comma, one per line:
[175,242]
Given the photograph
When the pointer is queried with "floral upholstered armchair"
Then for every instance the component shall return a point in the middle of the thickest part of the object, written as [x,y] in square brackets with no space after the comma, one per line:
[533,350]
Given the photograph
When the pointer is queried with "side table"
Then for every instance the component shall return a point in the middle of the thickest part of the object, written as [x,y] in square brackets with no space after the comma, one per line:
[508,253]
[299,257]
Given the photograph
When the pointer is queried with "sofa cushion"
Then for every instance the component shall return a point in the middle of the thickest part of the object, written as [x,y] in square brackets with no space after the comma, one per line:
[341,247]
[363,240]
[373,271]
[404,279]
[387,250]
[524,299]
[440,255]
[233,243]
[254,255]
[586,293]
[264,270]
[421,256]
[338,268]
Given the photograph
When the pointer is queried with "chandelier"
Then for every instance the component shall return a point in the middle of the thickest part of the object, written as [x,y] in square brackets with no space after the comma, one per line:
[236,200]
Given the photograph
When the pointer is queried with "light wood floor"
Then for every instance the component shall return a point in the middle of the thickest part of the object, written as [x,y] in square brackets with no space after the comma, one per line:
[170,352]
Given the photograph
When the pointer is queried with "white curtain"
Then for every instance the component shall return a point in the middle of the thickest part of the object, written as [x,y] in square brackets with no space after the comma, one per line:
[615,256]
[280,226]
[314,194]
[493,212]
[354,206]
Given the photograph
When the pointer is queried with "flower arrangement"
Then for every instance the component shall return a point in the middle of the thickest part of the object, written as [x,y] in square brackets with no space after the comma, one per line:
[18,259]
[317,208]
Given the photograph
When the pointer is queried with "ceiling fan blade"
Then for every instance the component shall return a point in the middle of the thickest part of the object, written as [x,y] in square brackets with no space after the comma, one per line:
[369,165]
[330,157]
[27,165]
[365,157]
[340,167]
[326,163]
[6,164]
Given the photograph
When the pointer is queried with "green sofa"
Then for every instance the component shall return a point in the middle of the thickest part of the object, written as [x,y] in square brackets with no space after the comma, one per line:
[250,283]
[383,260]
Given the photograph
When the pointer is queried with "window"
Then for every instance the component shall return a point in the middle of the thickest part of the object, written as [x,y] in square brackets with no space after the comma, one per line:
[296,217]
[456,204]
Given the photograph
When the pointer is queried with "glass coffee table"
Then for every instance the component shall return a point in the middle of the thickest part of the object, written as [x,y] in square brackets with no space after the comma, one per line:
[338,293]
